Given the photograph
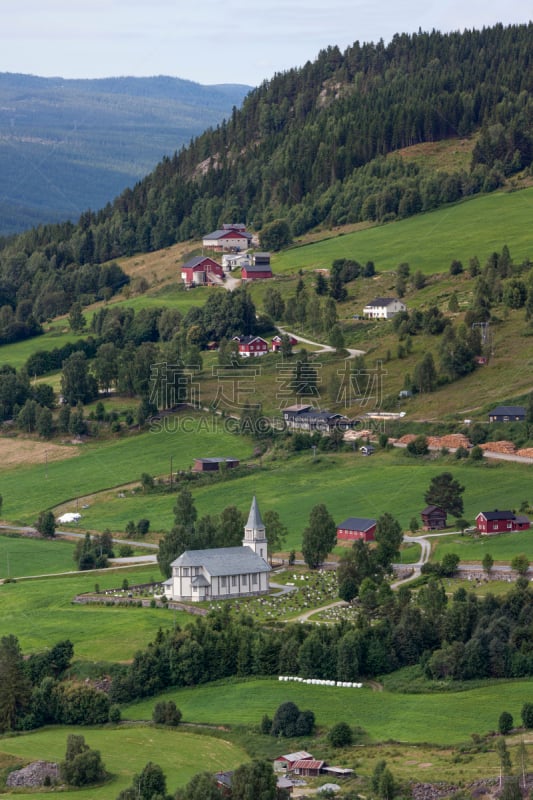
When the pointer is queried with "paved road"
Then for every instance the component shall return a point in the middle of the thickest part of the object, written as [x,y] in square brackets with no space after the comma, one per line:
[75,535]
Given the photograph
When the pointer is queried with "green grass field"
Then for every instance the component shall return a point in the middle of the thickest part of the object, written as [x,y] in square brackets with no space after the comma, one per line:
[58,333]
[125,750]
[18,353]
[347,483]
[27,490]
[21,556]
[171,295]
[40,613]
[502,548]
[446,719]
[428,242]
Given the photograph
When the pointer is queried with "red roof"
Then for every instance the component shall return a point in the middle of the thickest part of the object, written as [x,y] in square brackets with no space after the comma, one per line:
[308,764]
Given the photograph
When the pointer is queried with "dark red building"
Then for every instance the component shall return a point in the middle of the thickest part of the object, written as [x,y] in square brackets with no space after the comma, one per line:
[202,271]
[501,522]
[356,528]
[250,346]
[276,342]
[254,272]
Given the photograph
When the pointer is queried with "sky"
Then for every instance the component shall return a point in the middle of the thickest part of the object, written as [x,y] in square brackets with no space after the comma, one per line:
[215,41]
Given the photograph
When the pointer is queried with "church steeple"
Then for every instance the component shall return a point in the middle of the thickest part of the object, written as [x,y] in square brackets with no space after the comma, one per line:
[254,532]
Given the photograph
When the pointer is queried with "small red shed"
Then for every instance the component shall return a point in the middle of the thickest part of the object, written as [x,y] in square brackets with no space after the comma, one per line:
[254,272]
[276,342]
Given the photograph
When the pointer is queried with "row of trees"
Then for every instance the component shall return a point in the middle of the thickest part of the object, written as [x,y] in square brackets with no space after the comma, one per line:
[459,639]
[211,530]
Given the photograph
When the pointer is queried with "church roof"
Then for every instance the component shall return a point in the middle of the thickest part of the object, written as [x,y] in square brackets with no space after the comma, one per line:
[223,560]
[254,517]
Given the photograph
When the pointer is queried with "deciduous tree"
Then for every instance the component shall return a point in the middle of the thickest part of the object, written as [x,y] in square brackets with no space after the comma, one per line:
[446,493]
[276,531]
[255,781]
[389,537]
[320,536]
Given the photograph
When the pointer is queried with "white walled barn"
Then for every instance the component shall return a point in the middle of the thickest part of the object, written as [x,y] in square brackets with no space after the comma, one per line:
[223,572]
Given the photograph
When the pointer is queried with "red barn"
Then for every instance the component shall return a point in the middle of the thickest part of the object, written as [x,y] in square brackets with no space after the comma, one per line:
[250,346]
[356,528]
[254,272]
[202,271]
[501,522]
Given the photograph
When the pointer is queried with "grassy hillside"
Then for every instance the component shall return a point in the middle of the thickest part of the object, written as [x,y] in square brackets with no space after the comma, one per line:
[40,613]
[20,556]
[349,485]
[385,715]
[30,488]
[428,242]
[125,751]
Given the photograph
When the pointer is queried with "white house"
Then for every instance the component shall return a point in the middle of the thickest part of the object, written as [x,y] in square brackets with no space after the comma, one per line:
[230,238]
[223,572]
[383,308]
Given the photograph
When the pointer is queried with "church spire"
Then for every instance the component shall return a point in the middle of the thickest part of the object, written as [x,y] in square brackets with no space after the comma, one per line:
[254,531]
[254,517]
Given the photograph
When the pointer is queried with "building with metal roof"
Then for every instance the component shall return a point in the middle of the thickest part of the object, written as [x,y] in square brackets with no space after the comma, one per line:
[223,572]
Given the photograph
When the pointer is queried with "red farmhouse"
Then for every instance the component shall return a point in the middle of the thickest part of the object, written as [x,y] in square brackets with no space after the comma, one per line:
[251,346]
[356,528]
[276,342]
[501,522]
[201,271]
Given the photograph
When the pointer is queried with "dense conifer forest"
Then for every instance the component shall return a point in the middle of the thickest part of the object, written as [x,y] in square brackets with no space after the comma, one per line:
[311,146]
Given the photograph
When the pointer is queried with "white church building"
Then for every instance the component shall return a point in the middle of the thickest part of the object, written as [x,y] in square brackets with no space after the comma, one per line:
[223,572]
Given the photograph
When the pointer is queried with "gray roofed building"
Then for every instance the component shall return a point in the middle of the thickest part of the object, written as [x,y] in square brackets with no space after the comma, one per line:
[305,418]
[223,560]
[223,572]
[507,414]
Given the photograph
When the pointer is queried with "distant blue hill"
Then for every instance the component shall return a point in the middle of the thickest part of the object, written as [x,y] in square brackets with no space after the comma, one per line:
[70,145]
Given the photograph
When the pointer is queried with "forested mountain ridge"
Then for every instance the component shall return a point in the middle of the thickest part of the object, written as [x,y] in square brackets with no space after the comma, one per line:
[311,145]
[66,145]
